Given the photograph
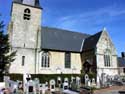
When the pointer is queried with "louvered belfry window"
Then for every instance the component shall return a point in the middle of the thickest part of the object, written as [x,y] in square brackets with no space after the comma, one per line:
[27,14]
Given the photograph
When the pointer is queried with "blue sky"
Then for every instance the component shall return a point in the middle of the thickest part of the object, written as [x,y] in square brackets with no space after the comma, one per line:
[87,16]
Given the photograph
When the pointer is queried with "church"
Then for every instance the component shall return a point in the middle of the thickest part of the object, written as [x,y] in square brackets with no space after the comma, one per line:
[47,50]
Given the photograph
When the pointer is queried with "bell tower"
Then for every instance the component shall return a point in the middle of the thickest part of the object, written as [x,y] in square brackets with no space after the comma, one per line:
[25,35]
[26,22]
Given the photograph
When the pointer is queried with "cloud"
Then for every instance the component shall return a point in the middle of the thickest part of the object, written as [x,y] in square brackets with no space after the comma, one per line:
[92,18]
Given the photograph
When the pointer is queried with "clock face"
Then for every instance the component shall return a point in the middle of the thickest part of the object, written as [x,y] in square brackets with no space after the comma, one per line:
[29,2]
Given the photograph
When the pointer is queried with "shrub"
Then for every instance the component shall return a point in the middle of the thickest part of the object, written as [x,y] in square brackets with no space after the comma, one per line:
[43,77]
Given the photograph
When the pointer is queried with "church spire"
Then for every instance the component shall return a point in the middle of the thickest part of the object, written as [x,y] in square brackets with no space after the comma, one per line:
[34,3]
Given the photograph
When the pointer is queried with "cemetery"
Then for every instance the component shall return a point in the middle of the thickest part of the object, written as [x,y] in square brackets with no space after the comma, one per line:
[31,85]
[66,85]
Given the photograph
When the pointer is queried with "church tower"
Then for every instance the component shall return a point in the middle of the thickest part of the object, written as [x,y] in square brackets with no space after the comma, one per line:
[24,33]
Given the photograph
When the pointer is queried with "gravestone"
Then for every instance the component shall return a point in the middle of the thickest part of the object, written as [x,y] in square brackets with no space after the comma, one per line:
[6,79]
[116,77]
[36,82]
[46,83]
[12,85]
[93,82]
[26,78]
[40,88]
[30,87]
[73,79]
[52,85]
[59,82]
[2,85]
[15,88]
[86,79]
[78,82]
[89,83]
[44,88]
[65,84]
[103,79]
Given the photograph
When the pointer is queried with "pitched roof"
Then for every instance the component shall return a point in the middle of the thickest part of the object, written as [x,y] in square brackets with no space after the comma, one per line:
[121,62]
[62,40]
[34,3]
[91,41]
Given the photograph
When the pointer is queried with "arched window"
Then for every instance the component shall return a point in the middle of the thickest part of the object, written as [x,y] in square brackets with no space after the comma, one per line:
[107,58]
[27,14]
[45,60]
[67,60]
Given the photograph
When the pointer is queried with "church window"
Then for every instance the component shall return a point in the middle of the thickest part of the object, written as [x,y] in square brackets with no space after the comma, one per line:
[27,14]
[67,60]
[107,58]
[45,60]
[23,60]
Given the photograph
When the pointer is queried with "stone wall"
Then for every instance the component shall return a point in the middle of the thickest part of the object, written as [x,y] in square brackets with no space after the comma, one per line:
[57,64]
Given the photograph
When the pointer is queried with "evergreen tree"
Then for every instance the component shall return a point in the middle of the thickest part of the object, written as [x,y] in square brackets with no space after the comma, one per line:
[6,57]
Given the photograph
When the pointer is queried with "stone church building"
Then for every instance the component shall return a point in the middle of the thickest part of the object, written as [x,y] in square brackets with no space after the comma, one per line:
[45,50]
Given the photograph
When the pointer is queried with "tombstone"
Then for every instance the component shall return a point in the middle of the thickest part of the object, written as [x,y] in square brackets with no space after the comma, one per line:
[103,79]
[78,82]
[30,87]
[46,83]
[2,85]
[26,78]
[36,82]
[116,77]
[93,82]
[109,80]
[20,85]
[73,80]
[6,79]
[40,88]
[52,85]
[89,83]
[44,88]
[65,84]
[86,79]
[13,86]
[59,82]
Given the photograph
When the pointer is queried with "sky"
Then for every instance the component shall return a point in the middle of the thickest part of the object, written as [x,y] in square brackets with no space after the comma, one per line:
[86,16]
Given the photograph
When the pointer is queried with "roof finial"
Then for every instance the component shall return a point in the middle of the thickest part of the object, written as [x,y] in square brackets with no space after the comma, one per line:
[104,29]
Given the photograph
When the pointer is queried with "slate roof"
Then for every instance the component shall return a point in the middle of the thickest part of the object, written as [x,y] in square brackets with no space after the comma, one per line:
[91,41]
[121,62]
[62,40]
[33,3]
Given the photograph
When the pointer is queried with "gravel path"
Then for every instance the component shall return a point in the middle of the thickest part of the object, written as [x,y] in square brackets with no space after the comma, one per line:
[111,90]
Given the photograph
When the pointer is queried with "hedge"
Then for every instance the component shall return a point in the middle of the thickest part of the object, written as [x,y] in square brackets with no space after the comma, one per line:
[43,77]
[47,77]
